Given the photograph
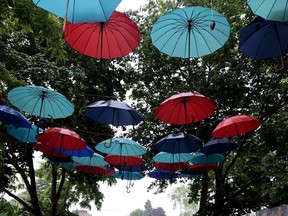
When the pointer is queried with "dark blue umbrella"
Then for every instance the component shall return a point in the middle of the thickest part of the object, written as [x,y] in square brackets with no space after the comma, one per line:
[113,112]
[139,168]
[264,39]
[24,134]
[162,174]
[85,152]
[179,143]
[219,146]
[13,117]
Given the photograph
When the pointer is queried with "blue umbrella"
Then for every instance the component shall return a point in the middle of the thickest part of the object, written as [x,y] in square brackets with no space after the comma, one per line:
[139,168]
[24,134]
[218,146]
[94,160]
[85,152]
[121,146]
[40,101]
[162,174]
[187,32]
[276,10]
[128,175]
[12,116]
[190,175]
[201,158]
[179,143]
[68,166]
[263,39]
[76,11]
[165,157]
[113,112]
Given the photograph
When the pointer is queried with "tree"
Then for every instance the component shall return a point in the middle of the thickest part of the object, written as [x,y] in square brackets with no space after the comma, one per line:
[148,210]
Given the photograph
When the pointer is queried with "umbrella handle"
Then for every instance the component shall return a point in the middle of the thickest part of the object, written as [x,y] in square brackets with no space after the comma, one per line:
[128,189]
[280,67]
[110,143]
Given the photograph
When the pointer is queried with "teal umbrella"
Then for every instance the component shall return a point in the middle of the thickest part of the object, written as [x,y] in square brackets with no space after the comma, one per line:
[165,157]
[40,101]
[276,10]
[121,147]
[201,158]
[128,175]
[94,160]
[190,32]
[24,134]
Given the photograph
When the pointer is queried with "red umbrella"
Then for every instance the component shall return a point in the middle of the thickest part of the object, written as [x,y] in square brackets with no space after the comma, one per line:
[235,126]
[61,138]
[185,108]
[202,167]
[105,40]
[124,160]
[171,166]
[48,150]
[92,169]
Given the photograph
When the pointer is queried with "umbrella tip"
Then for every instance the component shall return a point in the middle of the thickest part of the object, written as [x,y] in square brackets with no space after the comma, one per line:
[212,25]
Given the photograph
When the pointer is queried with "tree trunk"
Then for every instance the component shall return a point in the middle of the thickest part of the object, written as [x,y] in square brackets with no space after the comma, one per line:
[54,200]
[204,194]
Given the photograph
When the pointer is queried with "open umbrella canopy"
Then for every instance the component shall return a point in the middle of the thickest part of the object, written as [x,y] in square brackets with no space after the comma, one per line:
[139,168]
[180,142]
[49,151]
[201,158]
[94,160]
[276,10]
[162,174]
[187,32]
[98,170]
[165,157]
[85,152]
[128,175]
[171,166]
[202,168]
[40,101]
[124,160]
[121,146]
[185,108]
[235,126]
[24,134]
[104,40]
[61,138]
[113,112]
[190,175]
[77,11]
[12,116]
[219,146]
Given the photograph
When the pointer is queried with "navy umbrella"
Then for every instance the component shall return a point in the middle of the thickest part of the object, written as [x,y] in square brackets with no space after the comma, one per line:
[162,174]
[139,168]
[13,117]
[218,146]
[85,152]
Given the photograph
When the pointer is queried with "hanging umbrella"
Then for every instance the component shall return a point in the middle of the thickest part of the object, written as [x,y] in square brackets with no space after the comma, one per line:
[202,167]
[12,116]
[40,101]
[276,10]
[113,112]
[58,160]
[171,166]
[24,134]
[162,174]
[110,172]
[235,126]
[180,142]
[85,152]
[187,32]
[165,157]
[48,150]
[94,160]
[219,146]
[185,108]
[139,168]
[201,158]
[98,170]
[263,39]
[121,146]
[104,40]
[128,175]
[190,175]
[124,160]
[76,11]
[68,166]
[61,138]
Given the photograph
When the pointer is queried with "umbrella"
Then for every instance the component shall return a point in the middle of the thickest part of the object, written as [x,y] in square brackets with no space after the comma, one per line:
[105,40]
[171,166]
[24,134]
[124,160]
[68,166]
[235,126]
[165,157]
[139,168]
[12,116]
[187,32]
[58,160]
[94,160]
[76,11]
[128,175]
[185,108]
[276,10]
[201,158]
[180,142]
[113,112]
[202,167]
[263,39]
[218,146]
[40,101]
[162,174]
[85,152]
[121,146]
[98,170]
[190,175]
[61,138]
[49,151]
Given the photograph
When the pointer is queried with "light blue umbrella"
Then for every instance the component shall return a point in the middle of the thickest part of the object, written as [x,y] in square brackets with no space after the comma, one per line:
[128,175]
[201,158]
[190,32]
[165,157]
[94,160]
[78,11]
[24,134]
[40,101]
[276,10]
[68,166]
[121,147]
